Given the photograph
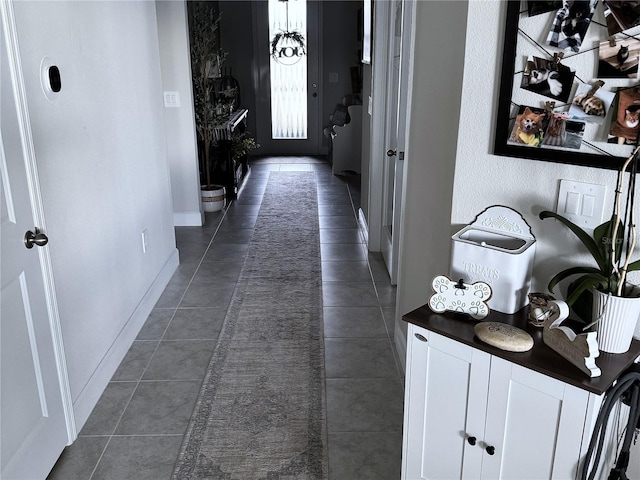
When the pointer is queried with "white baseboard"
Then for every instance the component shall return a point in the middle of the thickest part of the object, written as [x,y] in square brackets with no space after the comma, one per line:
[188,219]
[400,340]
[92,391]
[362,225]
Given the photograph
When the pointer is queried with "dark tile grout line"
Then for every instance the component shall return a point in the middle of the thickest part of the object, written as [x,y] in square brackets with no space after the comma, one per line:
[140,379]
[390,336]
[373,281]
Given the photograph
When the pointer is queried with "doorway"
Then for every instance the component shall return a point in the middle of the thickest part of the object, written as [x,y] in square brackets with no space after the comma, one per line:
[395,126]
[35,409]
[288,93]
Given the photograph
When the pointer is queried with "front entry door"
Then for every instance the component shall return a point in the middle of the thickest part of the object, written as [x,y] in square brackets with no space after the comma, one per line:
[32,415]
[288,93]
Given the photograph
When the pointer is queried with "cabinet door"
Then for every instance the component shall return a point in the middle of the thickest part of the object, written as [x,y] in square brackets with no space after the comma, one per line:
[444,404]
[534,424]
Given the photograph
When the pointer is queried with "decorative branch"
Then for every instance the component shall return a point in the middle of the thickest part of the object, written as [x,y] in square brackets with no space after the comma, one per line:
[621,271]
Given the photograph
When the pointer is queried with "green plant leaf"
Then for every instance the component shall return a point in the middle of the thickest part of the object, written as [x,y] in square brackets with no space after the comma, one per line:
[558,277]
[634,266]
[583,236]
[583,305]
[583,284]
[602,235]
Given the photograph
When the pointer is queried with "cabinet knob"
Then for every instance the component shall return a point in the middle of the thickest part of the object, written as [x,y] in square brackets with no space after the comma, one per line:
[490,450]
[420,337]
[472,440]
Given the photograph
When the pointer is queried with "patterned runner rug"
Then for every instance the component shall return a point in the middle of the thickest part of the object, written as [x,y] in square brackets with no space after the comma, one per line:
[261,410]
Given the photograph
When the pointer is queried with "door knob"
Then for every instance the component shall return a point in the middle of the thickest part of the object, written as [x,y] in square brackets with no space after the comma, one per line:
[490,450]
[472,440]
[391,153]
[38,238]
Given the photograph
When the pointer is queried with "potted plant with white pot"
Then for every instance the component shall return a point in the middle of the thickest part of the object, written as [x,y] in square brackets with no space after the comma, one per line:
[602,294]
[206,60]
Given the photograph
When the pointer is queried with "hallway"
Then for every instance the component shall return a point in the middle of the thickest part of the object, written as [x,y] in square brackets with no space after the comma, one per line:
[137,427]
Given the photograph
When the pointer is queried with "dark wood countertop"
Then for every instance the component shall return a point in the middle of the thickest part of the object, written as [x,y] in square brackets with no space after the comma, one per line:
[540,358]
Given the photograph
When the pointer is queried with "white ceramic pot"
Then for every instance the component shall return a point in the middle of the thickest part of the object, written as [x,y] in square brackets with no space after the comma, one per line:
[618,317]
[213,198]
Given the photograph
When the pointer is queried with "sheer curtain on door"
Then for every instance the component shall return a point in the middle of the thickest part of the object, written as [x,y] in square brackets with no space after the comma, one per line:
[288,62]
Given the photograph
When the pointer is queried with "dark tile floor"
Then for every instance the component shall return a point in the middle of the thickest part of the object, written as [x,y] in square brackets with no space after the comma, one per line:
[136,429]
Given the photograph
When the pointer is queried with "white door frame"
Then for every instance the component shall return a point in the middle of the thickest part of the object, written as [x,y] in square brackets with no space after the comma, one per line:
[8,20]
[380,74]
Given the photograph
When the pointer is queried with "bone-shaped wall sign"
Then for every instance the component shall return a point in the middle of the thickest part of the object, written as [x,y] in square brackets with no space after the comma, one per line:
[460,297]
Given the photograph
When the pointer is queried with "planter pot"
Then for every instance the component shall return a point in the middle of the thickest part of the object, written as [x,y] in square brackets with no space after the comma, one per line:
[618,317]
[213,198]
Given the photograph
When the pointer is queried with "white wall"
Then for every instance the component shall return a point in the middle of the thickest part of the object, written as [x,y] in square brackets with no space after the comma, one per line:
[101,155]
[430,155]
[182,153]
[529,186]
[483,179]
[366,141]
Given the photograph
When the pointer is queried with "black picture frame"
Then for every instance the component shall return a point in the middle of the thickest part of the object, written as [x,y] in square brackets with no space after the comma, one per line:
[505,116]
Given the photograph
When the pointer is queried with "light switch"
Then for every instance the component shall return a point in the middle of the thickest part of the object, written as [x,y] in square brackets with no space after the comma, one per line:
[582,203]
[588,205]
[573,202]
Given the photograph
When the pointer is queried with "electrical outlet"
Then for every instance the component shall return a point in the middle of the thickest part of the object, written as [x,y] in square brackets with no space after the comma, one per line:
[171,99]
[145,241]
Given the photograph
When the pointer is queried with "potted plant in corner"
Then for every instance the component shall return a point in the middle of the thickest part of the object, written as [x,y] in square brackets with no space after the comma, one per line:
[206,61]
[602,294]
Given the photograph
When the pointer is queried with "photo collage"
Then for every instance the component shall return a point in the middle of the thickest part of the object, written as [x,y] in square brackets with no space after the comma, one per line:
[568,102]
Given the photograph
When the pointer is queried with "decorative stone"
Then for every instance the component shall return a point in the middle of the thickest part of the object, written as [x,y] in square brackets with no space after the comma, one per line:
[503,336]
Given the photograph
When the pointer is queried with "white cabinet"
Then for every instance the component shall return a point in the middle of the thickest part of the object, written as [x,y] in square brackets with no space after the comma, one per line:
[472,415]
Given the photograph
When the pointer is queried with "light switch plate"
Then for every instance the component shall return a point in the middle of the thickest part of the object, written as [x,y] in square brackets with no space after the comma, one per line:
[582,203]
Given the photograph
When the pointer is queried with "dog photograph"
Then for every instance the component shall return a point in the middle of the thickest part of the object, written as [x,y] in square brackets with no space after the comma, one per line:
[548,78]
[591,107]
[570,24]
[529,126]
[618,58]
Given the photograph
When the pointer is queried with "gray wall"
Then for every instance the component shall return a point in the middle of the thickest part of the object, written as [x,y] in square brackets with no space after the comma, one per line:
[182,154]
[236,31]
[101,157]
[341,51]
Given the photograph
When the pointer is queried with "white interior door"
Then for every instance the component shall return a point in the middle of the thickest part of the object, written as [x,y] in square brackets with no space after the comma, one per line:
[395,127]
[297,104]
[33,423]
